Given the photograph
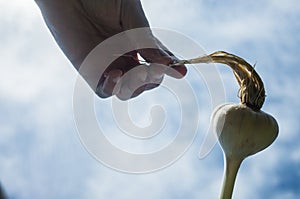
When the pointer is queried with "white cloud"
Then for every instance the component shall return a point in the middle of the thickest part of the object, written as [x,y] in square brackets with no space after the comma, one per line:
[223,25]
[38,138]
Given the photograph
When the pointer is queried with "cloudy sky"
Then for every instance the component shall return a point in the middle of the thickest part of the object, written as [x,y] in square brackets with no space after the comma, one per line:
[41,155]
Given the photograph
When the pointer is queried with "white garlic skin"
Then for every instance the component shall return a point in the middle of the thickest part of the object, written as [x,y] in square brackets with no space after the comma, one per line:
[242,131]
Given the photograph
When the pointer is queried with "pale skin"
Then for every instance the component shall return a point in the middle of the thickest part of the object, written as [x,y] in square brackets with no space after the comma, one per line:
[78,26]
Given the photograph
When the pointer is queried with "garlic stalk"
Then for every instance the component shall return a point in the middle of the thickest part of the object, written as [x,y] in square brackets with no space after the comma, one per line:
[242,129]
[252,92]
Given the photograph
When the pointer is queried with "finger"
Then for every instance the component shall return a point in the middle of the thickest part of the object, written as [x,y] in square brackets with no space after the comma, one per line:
[174,71]
[124,62]
[166,58]
[155,76]
[156,55]
[110,84]
[133,83]
[177,72]
[140,79]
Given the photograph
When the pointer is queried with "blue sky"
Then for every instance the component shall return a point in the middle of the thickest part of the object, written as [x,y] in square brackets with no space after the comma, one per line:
[40,152]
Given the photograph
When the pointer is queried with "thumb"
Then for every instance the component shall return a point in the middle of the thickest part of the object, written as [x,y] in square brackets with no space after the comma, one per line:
[133,16]
[166,58]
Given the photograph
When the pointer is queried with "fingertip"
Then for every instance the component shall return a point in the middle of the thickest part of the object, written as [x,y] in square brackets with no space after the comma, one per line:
[128,94]
[177,72]
[156,55]
[111,81]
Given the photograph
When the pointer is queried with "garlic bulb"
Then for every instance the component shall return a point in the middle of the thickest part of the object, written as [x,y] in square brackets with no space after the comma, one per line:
[241,132]
[242,129]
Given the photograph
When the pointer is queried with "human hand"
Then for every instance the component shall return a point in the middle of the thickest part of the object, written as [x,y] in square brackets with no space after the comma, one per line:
[78,26]
[134,78]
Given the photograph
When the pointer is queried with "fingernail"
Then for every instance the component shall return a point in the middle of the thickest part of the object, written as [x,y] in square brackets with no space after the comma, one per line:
[177,72]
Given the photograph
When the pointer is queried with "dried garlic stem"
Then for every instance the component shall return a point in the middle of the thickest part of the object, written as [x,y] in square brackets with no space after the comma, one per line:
[252,92]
